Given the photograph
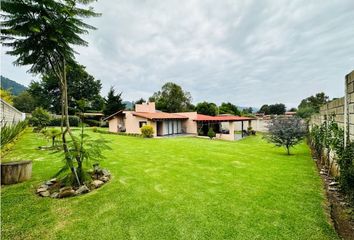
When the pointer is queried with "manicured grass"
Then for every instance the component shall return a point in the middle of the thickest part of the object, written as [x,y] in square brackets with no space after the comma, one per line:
[174,188]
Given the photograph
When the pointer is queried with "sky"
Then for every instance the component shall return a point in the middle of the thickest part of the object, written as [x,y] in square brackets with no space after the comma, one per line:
[249,53]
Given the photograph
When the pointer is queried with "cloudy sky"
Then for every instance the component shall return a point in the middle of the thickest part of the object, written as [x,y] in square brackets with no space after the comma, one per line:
[245,52]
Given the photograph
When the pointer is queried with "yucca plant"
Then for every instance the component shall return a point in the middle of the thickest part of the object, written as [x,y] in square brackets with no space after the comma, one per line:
[10,132]
[51,133]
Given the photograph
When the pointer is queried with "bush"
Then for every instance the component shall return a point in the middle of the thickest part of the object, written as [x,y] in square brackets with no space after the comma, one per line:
[10,132]
[73,121]
[94,129]
[40,118]
[211,133]
[92,122]
[346,166]
[147,131]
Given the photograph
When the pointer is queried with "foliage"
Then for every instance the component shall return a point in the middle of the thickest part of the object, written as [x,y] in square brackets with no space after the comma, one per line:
[207,108]
[211,133]
[73,121]
[43,34]
[114,102]
[314,102]
[172,98]
[247,111]
[94,129]
[52,134]
[10,132]
[12,86]
[273,109]
[286,132]
[346,166]
[81,85]
[6,96]
[92,122]
[229,108]
[40,118]
[140,101]
[147,131]
[293,109]
[305,112]
[25,102]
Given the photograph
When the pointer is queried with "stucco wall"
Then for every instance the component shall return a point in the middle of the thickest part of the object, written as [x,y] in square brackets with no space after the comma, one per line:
[9,114]
[189,126]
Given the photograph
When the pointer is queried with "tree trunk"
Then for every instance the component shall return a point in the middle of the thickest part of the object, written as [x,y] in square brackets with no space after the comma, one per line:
[14,172]
[288,150]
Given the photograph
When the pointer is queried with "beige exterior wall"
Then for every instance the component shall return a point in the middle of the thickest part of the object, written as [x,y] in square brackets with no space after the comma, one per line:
[189,126]
[9,114]
[231,126]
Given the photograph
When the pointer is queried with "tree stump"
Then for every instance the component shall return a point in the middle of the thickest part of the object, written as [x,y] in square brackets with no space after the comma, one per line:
[15,172]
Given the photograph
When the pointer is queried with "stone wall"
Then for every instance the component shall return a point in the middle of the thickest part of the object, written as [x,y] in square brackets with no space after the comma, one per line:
[9,114]
[349,99]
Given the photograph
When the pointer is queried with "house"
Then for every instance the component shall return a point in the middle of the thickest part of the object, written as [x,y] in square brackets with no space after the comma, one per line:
[166,124]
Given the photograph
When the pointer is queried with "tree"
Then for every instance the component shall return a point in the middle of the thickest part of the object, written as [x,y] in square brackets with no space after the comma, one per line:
[81,85]
[286,132]
[42,34]
[207,108]
[25,102]
[229,108]
[52,133]
[172,98]
[114,102]
[314,102]
[293,109]
[6,96]
[311,105]
[277,109]
[140,101]
[264,109]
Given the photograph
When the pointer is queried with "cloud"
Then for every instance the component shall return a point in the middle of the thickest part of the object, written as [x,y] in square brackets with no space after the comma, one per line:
[245,52]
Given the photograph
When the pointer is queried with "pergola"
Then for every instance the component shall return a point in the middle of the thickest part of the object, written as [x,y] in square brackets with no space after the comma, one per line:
[205,119]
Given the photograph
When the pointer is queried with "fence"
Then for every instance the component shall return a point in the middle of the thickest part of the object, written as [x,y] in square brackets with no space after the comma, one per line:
[343,111]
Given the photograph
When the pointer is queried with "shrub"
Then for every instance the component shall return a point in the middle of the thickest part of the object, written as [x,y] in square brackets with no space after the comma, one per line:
[10,132]
[52,133]
[211,133]
[40,118]
[147,131]
[94,129]
[346,164]
[73,120]
[92,122]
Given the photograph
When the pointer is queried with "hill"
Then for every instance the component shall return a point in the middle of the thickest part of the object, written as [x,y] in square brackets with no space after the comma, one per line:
[11,85]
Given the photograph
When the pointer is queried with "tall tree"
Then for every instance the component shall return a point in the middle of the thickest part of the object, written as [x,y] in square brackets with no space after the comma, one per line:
[42,34]
[172,98]
[81,85]
[315,101]
[264,109]
[113,102]
[25,102]
[278,109]
[229,108]
[207,108]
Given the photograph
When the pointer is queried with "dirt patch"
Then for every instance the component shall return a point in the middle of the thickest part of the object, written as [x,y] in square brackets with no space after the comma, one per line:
[341,213]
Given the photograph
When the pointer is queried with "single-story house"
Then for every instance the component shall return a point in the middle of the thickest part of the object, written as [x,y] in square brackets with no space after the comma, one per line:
[166,124]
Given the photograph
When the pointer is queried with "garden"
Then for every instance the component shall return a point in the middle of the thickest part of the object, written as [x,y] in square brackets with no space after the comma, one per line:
[176,188]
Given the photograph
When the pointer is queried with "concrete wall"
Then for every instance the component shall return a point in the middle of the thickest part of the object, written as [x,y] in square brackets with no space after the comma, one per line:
[145,107]
[189,126]
[349,99]
[9,114]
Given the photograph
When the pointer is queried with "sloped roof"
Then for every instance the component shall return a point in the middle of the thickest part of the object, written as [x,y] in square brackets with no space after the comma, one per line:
[159,115]
[202,117]
[111,116]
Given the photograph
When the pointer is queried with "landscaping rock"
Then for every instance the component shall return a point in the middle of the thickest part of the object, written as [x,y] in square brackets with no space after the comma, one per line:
[333,184]
[44,194]
[106,173]
[42,188]
[82,189]
[332,189]
[104,179]
[97,183]
[66,192]
[54,195]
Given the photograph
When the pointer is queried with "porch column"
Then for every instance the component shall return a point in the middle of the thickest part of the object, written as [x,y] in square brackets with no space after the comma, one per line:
[232,130]
[242,129]
[249,123]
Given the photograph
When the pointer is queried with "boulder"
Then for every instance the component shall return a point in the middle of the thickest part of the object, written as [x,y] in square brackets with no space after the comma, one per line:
[104,179]
[106,173]
[333,183]
[66,192]
[97,183]
[54,195]
[82,189]
[44,193]
[42,188]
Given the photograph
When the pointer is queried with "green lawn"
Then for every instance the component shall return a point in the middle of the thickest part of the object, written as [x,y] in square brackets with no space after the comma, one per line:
[174,188]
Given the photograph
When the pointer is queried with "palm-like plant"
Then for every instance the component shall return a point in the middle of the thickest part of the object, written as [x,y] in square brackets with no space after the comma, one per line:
[52,133]
[41,34]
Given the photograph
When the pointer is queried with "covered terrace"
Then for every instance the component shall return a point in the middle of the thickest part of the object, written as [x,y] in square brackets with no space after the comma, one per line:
[223,126]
